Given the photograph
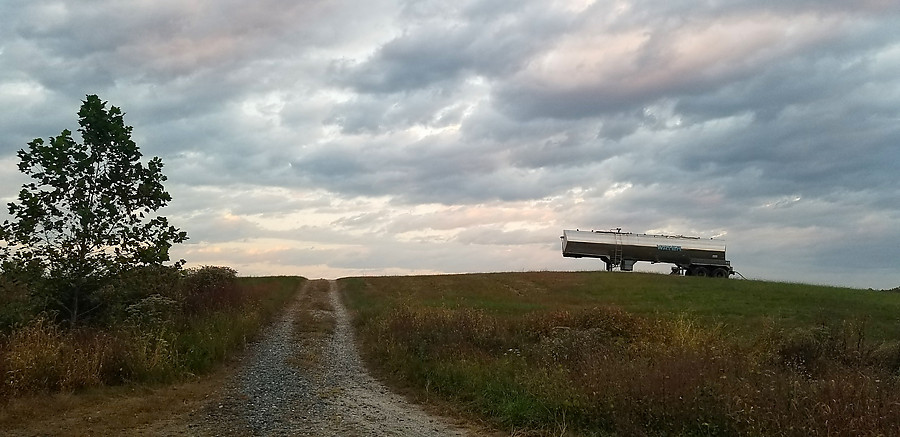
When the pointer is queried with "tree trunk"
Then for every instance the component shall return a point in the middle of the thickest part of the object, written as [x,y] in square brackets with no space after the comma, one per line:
[73,320]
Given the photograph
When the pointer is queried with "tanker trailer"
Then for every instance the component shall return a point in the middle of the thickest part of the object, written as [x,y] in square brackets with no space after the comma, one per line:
[692,256]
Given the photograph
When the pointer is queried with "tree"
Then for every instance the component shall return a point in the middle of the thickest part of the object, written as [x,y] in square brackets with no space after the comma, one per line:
[88,212]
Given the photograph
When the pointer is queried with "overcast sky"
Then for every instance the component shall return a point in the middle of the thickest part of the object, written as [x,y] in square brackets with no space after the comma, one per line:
[337,138]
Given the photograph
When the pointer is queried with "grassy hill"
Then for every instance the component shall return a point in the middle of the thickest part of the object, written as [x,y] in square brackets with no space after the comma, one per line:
[599,353]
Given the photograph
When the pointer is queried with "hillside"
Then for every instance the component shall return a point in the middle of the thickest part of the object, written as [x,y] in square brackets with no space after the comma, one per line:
[588,353]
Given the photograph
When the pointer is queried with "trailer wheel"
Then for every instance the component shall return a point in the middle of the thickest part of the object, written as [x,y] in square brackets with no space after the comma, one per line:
[701,271]
[720,273]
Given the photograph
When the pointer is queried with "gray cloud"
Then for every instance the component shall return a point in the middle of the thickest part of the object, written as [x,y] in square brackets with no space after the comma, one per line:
[442,44]
[425,136]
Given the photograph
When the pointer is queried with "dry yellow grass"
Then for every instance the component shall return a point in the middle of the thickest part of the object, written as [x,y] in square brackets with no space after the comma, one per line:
[132,410]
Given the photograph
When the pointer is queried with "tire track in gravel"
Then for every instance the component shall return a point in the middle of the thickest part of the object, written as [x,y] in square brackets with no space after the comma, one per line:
[273,396]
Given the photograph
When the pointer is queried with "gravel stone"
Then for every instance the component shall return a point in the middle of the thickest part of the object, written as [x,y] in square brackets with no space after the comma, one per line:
[272,396]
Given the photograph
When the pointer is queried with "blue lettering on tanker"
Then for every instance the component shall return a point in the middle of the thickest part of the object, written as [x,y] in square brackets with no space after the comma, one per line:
[669,248]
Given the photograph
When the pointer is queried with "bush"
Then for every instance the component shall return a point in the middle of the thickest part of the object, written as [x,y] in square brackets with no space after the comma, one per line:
[132,286]
[16,305]
[210,287]
[813,351]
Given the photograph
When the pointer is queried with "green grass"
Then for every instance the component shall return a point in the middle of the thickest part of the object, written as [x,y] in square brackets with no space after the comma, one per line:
[743,306]
[597,353]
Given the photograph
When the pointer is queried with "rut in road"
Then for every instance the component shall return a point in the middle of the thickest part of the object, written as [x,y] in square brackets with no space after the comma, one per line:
[275,394]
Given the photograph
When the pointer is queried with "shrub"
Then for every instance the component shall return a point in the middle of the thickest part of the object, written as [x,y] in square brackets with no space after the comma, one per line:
[16,305]
[208,287]
[813,351]
[139,282]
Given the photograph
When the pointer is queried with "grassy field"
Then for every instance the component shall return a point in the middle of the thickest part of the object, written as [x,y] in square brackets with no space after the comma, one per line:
[637,354]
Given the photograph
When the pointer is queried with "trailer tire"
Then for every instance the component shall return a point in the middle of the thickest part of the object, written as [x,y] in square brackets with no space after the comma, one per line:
[701,271]
[720,273]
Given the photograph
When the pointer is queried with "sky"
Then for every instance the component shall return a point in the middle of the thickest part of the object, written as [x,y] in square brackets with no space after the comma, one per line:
[344,138]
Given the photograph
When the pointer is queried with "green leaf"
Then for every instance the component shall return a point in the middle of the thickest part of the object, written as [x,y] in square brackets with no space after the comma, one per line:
[76,222]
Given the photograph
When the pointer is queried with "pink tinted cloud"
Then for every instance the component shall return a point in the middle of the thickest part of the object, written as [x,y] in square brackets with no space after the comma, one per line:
[642,61]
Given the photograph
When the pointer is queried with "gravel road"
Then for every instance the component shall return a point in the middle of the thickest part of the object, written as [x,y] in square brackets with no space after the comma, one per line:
[272,395]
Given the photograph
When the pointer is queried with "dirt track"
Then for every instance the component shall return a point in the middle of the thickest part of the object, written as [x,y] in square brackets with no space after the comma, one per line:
[332,395]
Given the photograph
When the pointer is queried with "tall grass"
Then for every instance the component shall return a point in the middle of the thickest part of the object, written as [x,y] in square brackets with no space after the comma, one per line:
[157,339]
[549,354]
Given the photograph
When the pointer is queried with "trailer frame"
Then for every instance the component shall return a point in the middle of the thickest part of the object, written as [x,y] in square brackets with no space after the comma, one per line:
[692,256]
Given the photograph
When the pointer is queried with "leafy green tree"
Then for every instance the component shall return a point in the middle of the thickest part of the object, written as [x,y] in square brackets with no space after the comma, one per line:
[88,213]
